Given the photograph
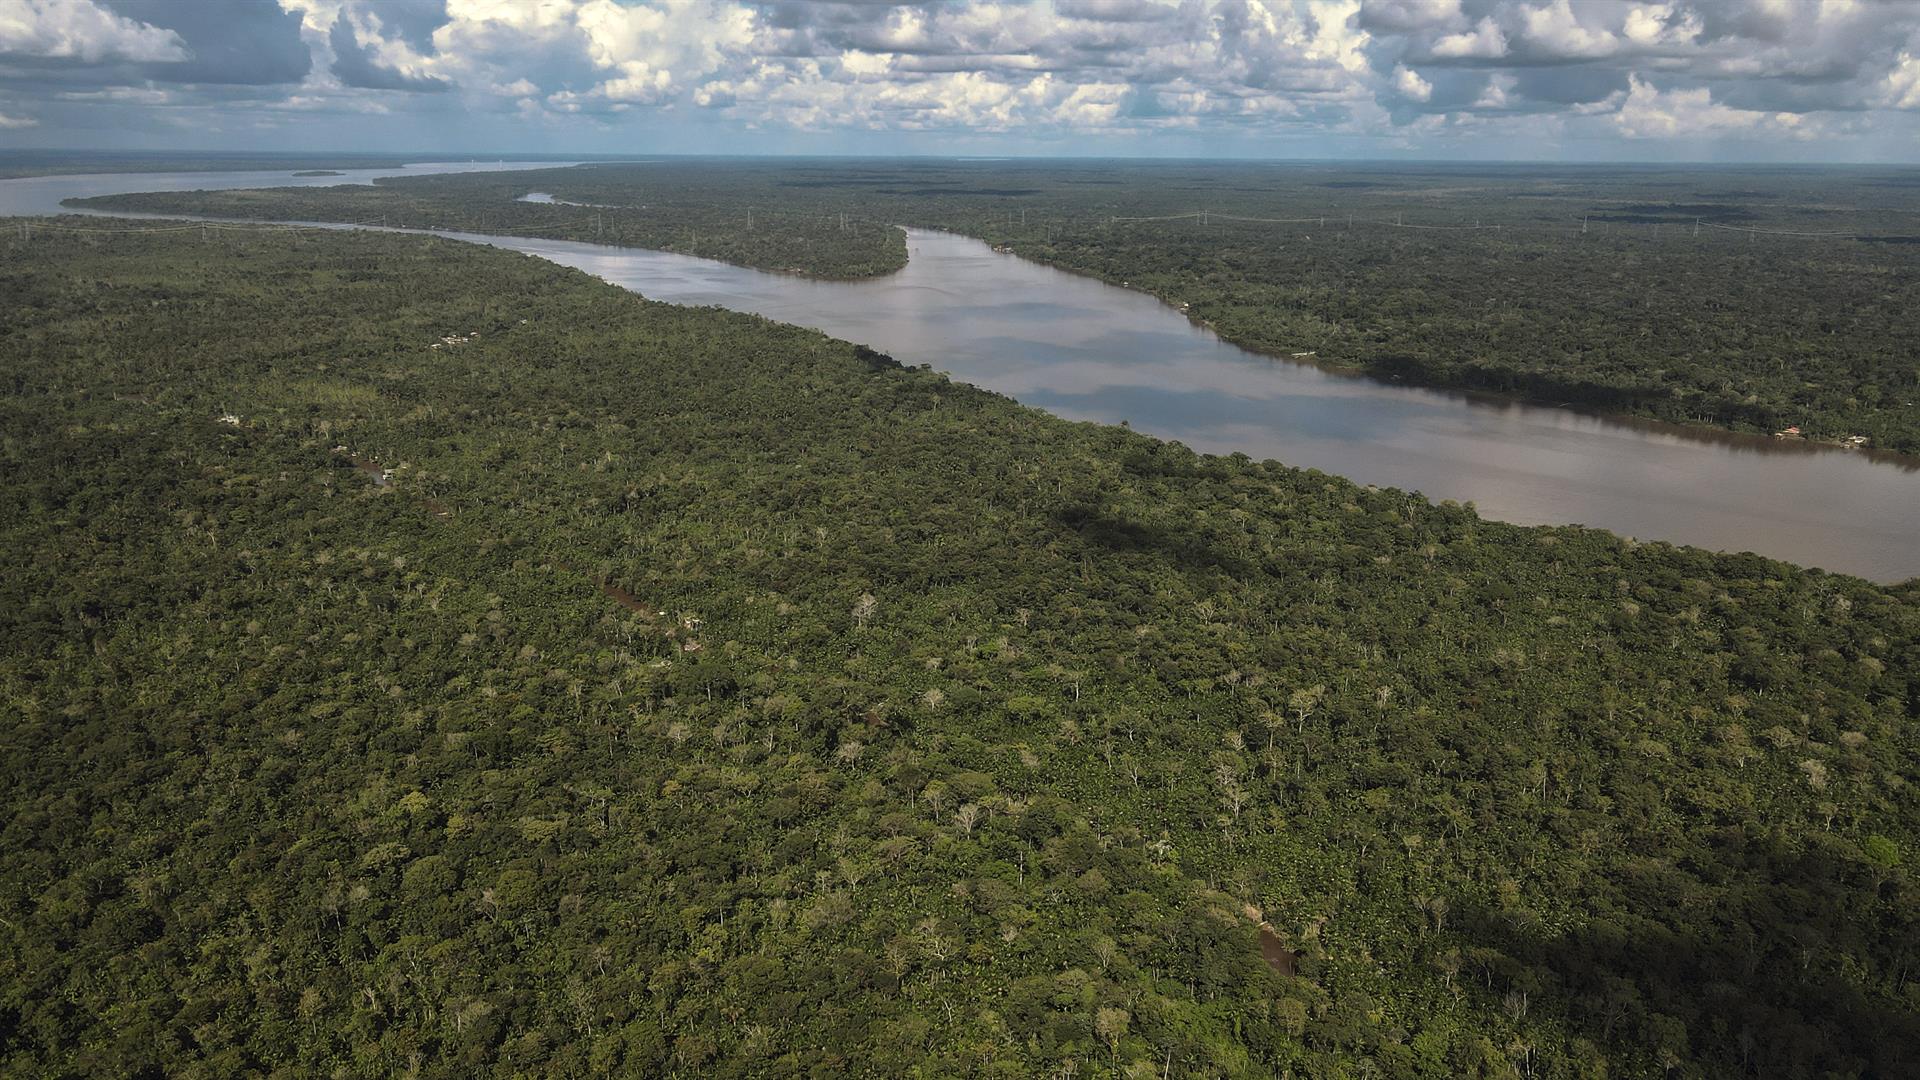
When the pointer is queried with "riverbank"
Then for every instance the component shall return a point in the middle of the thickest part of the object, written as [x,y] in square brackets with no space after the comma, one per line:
[833,248]
[1512,313]
[974,691]
[1579,397]
[1246,325]
[1084,350]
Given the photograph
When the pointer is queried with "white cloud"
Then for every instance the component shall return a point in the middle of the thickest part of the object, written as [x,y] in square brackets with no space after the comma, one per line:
[1557,30]
[1609,104]
[1401,16]
[304,103]
[1650,113]
[1335,37]
[1410,85]
[136,95]
[858,63]
[1261,68]
[638,84]
[1485,42]
[1116,10]
[1102,64]
[1661,25]
[15,123]
[806,96]
[82,30]
[1903,83]
[1495,96]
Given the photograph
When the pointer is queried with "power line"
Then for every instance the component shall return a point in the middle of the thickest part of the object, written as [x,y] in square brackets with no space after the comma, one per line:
[1776,232]
[1214,215]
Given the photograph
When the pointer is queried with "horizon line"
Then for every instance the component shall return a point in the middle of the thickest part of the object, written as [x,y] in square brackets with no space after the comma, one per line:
[413,157]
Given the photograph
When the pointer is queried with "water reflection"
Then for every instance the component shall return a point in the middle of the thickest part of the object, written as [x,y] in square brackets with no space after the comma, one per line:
[1088,351]
[42,194]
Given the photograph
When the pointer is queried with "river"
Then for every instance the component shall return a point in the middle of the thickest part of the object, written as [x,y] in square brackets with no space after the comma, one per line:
[1089,351]
[42,194]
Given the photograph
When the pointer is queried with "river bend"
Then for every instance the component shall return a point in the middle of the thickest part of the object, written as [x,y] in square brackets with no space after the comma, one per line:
[1089,351]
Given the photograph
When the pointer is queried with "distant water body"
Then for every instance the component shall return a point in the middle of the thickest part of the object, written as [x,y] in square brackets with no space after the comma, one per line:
[42,194]
[1089,351]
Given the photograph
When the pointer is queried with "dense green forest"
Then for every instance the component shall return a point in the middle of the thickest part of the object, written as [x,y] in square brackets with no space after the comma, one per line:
[1744,298]
[632,689]
[698,214]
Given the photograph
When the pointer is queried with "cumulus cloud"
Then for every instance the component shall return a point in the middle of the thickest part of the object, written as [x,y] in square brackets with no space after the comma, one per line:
[1661,24]
[14,123]
[1401,16]
[1649,113]
[1410,85]
[356,64]
[1117,10]
[1558,32]
[589,57]
[1903,83]
[411,21]
[82,30]
[1072,65]
[1485,41]
[1389,70]
[1496,94]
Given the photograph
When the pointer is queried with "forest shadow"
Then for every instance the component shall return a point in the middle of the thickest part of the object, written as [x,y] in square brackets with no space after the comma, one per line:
[1118,535]
[1758,993]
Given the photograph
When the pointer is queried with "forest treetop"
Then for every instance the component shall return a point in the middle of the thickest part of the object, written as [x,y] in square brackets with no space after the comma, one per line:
[1740,297]
[629,689]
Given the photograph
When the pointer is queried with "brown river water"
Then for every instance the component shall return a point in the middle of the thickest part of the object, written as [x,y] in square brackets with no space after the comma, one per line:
[1089,351]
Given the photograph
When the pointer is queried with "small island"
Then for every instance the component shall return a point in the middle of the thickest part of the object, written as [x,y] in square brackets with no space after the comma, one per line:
[320,172]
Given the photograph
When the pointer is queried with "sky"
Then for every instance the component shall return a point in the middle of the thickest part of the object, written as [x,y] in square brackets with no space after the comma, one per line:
[1813,81]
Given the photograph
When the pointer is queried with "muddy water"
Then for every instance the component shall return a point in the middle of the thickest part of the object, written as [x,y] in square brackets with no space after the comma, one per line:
[1276,954]
[42,194]
[1090,351]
